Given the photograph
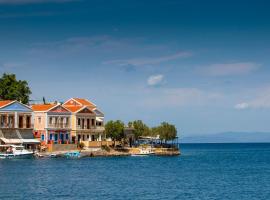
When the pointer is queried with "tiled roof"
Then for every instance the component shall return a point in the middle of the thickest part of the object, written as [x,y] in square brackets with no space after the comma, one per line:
[5,102]
[73,108]
[42,107]
[85,102]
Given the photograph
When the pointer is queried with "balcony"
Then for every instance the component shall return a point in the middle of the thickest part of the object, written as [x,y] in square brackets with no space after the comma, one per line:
[84,127]
[93,128]
[26,126]
[7,125]
[59,126]
[20,126]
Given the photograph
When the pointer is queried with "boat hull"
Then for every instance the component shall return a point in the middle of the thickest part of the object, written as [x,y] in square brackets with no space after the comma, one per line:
[16,156]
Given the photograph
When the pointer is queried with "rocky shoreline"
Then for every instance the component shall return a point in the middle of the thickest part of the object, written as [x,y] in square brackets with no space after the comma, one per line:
[110,153]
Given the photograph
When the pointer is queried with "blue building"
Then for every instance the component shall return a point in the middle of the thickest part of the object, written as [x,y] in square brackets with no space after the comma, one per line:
[16,125]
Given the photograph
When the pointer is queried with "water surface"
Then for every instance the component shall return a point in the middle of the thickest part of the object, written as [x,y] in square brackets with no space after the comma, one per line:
[203,171]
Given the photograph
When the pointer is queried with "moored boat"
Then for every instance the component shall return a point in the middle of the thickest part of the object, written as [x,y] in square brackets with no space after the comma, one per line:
[14,151]
[75,154]
[143,152]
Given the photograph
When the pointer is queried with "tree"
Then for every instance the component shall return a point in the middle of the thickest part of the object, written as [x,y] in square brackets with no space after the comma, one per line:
[13,89]
[165,131]
[115,130]
[139,128]
[44,100]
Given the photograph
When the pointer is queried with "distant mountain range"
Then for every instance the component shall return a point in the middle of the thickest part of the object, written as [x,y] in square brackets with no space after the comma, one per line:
[228,137]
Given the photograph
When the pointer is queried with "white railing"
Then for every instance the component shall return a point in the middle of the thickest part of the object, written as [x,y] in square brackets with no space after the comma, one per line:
[59,125]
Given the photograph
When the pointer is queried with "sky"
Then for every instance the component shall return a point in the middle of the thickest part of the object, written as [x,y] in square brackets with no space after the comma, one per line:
[201,65]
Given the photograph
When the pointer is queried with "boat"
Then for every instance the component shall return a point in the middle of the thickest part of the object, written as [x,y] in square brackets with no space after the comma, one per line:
[144,152]
[14,151]
[74,154]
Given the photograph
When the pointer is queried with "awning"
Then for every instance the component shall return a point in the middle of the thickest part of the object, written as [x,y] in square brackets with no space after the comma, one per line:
[99,119]
[11,141]
[20,141]
[30,141]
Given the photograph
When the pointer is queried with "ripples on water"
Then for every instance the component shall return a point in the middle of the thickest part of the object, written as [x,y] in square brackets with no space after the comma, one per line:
[204,171]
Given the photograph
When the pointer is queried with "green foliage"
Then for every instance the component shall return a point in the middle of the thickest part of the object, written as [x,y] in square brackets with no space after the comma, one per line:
[140,129]
[165,131]
[81,145]
[115,129]
[13,89]
[106,148]
[154,131]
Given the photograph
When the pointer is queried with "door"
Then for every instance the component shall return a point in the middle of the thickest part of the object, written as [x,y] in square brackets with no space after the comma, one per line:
[62,138]
[55,138]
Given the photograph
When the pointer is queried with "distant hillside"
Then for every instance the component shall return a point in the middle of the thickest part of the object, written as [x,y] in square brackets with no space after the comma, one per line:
[228,137]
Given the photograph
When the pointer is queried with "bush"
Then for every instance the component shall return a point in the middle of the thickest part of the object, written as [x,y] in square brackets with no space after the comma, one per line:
[81,145]
[105,147]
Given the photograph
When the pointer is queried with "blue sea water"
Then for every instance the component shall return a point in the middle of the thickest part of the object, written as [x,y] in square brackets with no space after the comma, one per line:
[203,171]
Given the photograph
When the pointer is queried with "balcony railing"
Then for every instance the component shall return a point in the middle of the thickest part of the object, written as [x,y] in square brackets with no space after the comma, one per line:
[7,125]
[25,125]
[90,128]
[11,125]
[59,125]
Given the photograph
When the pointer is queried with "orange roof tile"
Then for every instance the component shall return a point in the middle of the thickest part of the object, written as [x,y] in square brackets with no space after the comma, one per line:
[42,107]
[85,102]
[73,108]
[5,102]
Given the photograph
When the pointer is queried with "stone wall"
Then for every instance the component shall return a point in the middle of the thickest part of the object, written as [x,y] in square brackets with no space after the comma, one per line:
[61,147]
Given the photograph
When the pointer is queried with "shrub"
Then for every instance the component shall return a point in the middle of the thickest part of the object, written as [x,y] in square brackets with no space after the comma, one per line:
[81,145]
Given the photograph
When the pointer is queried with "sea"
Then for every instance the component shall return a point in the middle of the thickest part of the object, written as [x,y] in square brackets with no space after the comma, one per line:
[203,171]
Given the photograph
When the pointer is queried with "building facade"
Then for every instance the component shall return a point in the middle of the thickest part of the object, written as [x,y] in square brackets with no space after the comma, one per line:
[52,123]
[16,124]
[87,122]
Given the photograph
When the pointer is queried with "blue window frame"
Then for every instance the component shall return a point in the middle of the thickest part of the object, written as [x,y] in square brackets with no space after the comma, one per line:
[67,136]
[42,137]
[51,136]
[55,137]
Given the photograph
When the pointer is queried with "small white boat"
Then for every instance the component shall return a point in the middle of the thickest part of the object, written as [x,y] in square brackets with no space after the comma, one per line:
[14,151]
[144,152]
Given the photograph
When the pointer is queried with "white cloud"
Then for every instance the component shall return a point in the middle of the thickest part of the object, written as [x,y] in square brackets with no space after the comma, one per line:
[231,69]
[155,80]
[32,1]
[261,99]
[241,106]
[149,61]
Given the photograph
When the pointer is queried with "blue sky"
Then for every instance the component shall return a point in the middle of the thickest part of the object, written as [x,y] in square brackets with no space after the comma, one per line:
[203,66]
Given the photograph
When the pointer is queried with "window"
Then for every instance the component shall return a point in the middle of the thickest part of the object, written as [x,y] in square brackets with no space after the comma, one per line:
[39,120]
[20,121]
[79,122]
[82,123]
[67,136]
[88,123]
[51,136]
[99,124]
[42,137]
[28,122]
[50,120]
